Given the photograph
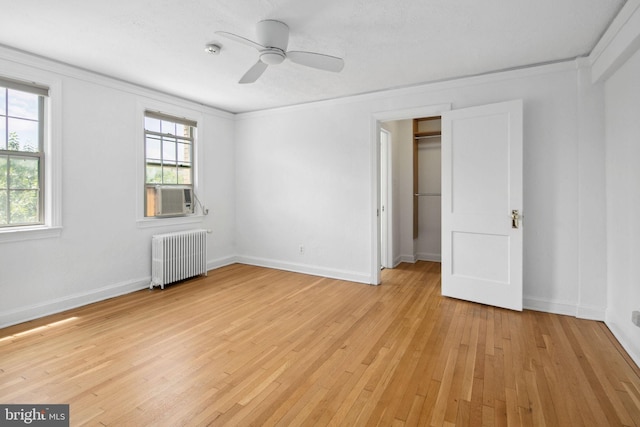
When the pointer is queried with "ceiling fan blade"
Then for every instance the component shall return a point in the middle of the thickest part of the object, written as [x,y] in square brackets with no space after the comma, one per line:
[317,60]
[240,39]
[253,73]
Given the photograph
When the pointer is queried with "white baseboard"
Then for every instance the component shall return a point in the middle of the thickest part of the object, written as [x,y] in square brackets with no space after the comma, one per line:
[549,306]
[591,313]
[425,256]
[35,311]
[306,269]
[221,262]
[630,344]
[421,256]
[567,309]
[411,259]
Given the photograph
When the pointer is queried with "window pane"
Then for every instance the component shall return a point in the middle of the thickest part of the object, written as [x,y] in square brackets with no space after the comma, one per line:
[3,101]
[23,135]
[153,148]
[3,173]
[169,150]
[183,130]
[168,127]
[23,206]
[152,124]
[169,175]
[154,174]
[184,175]
[184,153]
[3,207]
[23,173]
[23,104]
[21,127]
[3,133]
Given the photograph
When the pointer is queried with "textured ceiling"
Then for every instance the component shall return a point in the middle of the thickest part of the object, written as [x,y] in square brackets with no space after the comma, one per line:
[385,44]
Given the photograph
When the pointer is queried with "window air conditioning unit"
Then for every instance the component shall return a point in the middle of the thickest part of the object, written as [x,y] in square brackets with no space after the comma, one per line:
[173,200]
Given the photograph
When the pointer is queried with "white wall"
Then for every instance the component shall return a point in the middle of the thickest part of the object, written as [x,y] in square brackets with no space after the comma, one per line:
[305,177]
[592,270]
[622,97]
[103,250]
[300,182]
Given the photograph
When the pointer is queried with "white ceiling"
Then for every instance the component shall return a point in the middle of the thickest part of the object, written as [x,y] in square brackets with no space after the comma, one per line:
[385,43]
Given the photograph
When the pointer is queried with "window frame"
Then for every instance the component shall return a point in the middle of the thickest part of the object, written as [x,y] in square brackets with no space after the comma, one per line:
[176,111]
[50,211]
[42,93]
[163,138]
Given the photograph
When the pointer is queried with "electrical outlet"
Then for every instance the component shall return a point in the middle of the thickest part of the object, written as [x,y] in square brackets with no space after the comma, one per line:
[301,249]
[635,318]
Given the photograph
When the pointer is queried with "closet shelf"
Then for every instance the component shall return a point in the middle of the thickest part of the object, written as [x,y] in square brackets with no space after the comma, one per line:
[430,134]
[427,194]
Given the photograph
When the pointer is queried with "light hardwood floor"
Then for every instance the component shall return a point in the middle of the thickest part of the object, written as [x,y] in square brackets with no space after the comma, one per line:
[254,346]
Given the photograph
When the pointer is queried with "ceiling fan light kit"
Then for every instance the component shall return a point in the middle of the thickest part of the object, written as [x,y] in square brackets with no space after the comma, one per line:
[272,56]
[273,39]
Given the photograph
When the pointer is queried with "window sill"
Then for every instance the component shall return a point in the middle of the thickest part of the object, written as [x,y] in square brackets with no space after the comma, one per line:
[18,234]
[163,222]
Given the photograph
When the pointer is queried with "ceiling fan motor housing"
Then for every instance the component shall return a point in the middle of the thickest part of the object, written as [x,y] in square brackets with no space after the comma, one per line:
[271,33]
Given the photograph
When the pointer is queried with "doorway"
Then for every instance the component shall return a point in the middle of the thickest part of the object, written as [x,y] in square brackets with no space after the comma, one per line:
[392,252]
[410,155]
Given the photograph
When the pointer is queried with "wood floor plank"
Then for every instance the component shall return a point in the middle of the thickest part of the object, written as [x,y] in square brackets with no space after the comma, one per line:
[257,347]
[413,417]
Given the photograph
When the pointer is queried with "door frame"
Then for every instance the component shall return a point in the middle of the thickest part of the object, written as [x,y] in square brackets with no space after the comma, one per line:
[376,119]
[386,200]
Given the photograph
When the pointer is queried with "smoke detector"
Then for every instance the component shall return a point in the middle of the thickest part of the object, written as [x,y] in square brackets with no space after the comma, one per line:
[213,49]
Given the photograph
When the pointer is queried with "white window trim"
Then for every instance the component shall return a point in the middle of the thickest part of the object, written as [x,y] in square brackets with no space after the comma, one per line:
[198,187]
[52,226]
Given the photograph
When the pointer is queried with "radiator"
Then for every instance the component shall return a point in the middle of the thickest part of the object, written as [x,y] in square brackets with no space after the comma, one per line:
[177,256]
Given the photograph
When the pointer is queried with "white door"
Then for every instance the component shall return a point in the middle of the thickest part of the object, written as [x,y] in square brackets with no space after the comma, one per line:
[482,204]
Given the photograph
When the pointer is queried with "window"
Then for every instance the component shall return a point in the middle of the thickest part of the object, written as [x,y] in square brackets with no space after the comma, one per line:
[21,153]
[169,146]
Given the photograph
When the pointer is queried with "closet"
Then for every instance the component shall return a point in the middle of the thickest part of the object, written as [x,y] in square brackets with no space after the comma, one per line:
[426,188]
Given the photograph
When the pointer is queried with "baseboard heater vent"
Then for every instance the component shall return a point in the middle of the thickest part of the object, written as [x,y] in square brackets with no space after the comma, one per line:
[177,256]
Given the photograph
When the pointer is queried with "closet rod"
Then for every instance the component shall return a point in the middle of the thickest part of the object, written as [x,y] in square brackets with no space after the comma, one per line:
[427,194]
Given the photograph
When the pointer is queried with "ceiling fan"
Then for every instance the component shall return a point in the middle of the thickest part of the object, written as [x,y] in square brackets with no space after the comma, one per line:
[273,38]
